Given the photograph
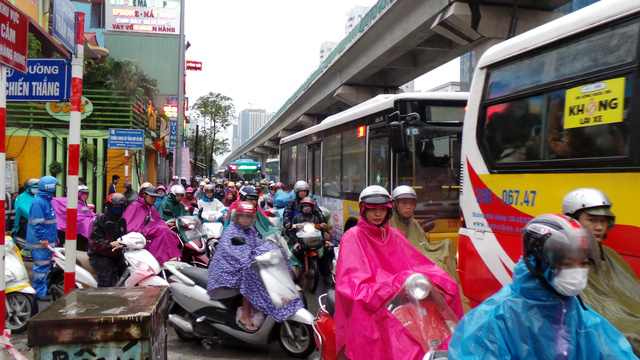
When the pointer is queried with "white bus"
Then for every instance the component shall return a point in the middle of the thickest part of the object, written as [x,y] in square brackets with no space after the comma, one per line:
[550,111]
[407,139]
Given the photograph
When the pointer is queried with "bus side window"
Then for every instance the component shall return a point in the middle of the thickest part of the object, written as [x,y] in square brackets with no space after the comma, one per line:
[511,127]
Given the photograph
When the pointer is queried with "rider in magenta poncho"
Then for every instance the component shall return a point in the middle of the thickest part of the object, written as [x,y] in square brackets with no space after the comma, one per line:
[374,262]
[163,243]
[85,216]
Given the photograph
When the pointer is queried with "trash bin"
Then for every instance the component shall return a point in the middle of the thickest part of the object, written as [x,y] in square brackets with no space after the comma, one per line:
[107,323]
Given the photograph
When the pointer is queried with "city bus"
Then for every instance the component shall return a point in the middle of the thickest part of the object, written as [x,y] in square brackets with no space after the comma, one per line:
[272,170]
[550,111]
[244,169]
[406,139]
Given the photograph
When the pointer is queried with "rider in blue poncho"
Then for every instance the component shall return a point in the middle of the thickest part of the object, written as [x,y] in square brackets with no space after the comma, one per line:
[540,316]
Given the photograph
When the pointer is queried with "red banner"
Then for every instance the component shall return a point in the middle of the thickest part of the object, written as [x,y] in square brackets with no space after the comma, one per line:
[14,33]
[160,146]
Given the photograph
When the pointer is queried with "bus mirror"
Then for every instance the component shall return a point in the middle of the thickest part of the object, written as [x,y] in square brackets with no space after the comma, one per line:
[393,117]
[398,136]
[413,118]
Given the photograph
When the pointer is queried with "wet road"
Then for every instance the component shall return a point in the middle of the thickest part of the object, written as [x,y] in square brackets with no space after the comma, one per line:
[179,350]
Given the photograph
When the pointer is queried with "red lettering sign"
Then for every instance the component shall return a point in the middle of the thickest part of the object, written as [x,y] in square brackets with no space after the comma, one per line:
[14,30]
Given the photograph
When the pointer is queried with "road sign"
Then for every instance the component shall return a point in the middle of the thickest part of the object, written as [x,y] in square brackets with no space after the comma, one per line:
[47,80]
[64,23]
[173,133]
[125,139]
[13,37]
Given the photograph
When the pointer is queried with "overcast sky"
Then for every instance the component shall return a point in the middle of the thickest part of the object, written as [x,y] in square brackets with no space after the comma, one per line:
[259,52]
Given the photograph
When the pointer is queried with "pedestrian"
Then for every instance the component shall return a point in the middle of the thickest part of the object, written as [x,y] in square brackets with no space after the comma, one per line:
[114,182]
[41,233]
[129,194]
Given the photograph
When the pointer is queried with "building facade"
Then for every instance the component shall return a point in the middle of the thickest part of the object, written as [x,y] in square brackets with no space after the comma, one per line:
[250,121]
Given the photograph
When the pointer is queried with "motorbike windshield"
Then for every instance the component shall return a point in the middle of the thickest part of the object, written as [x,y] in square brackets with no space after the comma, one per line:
[423,311]
[274,273]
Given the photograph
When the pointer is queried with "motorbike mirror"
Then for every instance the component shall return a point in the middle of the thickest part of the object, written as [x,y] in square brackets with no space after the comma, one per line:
[167,212]
[194,204]
[147,219]
[121,225]
[237,240]
[428,226]
[110,228]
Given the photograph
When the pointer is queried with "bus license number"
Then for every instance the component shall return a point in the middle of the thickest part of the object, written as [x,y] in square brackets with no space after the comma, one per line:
[484,196]
[519,198]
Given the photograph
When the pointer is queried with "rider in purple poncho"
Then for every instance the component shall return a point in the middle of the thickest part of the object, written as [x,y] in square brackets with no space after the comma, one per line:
[230,267]
[163,243]
[85,216]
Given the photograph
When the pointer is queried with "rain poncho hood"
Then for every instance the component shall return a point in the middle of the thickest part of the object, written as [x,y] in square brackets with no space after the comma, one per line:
[176,207]
[440,252]
[226,202]
[280,199]
[231,267]
[614,293]
[85,216]
[525,320]
[163,243]
[373,264]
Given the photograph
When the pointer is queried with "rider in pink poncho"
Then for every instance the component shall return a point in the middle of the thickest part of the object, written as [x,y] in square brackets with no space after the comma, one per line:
[374,262]
[163,243]
[85,216]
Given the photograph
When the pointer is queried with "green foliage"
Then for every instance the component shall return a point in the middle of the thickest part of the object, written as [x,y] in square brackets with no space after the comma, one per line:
[55,168]
[88,152]
[35,47]
[213,112]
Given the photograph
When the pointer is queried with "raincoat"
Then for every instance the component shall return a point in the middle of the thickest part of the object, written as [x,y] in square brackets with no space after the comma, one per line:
[209,204]
[23,203]
[85,216]
[162,242]
[373,265]
[440,252]
[226,202]
[525,320]
[41,227]
[614,293]
[231,267]
[176,207]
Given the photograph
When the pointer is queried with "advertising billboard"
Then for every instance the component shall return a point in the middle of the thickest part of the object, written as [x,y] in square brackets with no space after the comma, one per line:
[143,16]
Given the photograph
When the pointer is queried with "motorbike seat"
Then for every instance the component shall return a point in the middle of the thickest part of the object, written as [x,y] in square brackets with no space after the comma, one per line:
[331,302]
[199,276]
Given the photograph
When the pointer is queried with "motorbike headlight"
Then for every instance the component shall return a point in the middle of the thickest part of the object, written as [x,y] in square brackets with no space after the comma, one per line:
[308,227]
[192,226]
[418,286]
[9,275]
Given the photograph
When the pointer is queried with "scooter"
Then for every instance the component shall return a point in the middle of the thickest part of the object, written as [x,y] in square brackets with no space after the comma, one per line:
[418,305]
[311,239]
[55,279]
[193,240]
[142,267]
[196,316]
[213,228]
[20,298]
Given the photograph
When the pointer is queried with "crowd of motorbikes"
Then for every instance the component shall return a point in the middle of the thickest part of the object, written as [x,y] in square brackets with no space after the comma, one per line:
[195,316]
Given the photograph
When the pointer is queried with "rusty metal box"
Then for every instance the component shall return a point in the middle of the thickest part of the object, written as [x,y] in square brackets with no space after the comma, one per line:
[107,323]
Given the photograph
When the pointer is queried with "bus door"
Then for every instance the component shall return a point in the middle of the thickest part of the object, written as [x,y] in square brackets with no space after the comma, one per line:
[379,156]
[314,161]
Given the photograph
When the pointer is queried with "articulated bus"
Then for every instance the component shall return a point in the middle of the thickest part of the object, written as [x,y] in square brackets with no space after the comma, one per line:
[407,139]
[244,169]
[550,111]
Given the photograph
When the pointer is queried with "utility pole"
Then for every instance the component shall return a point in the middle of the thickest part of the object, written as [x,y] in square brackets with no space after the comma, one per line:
[180,122]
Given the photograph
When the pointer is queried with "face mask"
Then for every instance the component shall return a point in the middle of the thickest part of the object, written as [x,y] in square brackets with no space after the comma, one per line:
[33,190]
[571,282]
[117,210]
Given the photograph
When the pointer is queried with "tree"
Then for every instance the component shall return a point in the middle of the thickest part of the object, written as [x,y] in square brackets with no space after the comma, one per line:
[213,112]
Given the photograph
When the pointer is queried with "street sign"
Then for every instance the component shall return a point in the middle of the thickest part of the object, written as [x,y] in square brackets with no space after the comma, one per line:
[64,23]
[173,134]
[13,37]
[126,139]
[47,80]
[194,65]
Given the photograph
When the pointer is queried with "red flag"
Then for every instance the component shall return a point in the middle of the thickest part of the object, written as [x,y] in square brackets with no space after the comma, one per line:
[160,146]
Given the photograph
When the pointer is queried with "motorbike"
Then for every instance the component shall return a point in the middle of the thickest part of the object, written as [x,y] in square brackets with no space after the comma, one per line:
[418,305]
[213,227]
[311,240]
[195,315]
[20,297]
[142,267]
[193,240]
[85,278]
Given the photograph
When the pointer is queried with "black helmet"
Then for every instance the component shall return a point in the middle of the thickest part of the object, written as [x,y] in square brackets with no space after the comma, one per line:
[248,192]
[31,182]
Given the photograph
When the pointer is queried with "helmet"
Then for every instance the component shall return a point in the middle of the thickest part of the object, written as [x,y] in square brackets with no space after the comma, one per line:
[375,195]
[31,182]
[246,182]
[206,180]
[231,184]
[151,190]
[145,185]
[220,186]
[308,201]
[202,183]
[189,190]
[404,192]
[278,185]
[175,177]
[238,184]
[208,188]
[248,192]
[177,190]
[161,188]
[48,183]
[272,186]
[244,208]
[83,188]
[300,185]
[547,239]
[591,201]
[116,198]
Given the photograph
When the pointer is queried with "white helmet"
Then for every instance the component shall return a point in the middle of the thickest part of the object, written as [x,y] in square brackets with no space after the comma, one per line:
[404,192]
[591,201]
[177,190]
[374,194]
[83,188]
[300,185]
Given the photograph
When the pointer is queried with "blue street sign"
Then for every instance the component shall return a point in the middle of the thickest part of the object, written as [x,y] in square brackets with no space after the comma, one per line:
[64,23]
[47,80]
[173,134]
[125,139]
